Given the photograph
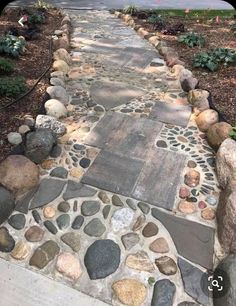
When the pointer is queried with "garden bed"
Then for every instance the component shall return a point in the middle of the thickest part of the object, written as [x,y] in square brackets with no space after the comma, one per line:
[30,65]
[221,83]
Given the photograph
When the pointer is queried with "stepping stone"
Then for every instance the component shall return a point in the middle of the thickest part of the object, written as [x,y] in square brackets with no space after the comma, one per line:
[113,172]
[159,179]
[192,277]
[139,57]
[163,293]
[185,233]
[49,190]
[113,94]
[171,113]
[76,190]
[102,258]
[23,204]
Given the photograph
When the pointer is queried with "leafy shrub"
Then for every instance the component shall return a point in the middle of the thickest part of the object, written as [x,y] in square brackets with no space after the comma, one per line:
[10,87]
[213,58]
[232,134]
[36,18]
[192,39]
[12,45]
[130,9]
[5,66]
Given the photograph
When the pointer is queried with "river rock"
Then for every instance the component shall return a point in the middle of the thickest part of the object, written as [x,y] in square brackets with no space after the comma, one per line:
[139,223]
[217,133]
[60,65]
[63,207]
[159,245]
[14,138]
[130,291]
[72,239]
[62,54]
[139,261]
[95,228]
[198,98]
[129,240]
[44,254]
[17,221]
[186,207]
[18,174]
[163,293]
[121,219]
[90,208]
[69,265]
[34,234]
[21,250]
[192,178]
[78,222]
[7,204]
[207,118]
[55,108]
[63,221]
[39,144]
[7,243]
[166,265]
[58,93]
[49,122]
[102,258]
[116,200]
[226,162]
[150,230]
[103,197]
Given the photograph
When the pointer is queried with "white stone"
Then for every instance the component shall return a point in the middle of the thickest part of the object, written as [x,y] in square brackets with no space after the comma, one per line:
[23,129]
[49,122]
[55,108]
[121,219]
[69,265]
[156,62]
[57,82]
[59,93]
[14,138]
[58,32]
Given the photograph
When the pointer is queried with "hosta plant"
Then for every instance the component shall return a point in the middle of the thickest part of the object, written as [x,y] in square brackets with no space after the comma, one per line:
[6,66]
[12,45]
[12,87]
[192,39]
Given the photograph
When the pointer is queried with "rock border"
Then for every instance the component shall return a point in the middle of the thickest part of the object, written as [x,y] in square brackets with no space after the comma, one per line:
[210,121]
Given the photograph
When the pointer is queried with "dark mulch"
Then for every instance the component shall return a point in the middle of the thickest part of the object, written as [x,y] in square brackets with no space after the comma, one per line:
[30,65]
[221,83]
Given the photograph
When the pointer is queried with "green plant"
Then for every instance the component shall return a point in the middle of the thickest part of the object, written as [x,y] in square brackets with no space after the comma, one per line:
[36,18]
[10,87]
[130,9]
[214,57]
[232,134]
[192,39]
[42,5]
[12,45]
[5,66]
[156,19]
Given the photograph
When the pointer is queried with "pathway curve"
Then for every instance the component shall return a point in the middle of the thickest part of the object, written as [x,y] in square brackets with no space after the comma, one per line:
[128,197]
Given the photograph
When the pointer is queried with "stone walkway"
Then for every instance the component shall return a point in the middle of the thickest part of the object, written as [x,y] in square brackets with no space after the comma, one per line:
[128,197]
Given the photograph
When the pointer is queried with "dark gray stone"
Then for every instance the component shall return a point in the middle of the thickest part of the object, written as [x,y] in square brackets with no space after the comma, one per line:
[56,151]
[131,204]
[171,113]
[90,208]
[84,162]
[17,221]
[22,205]
[185,303]
[113,94]
[106,211]
[63,221]
[228,267]
[185,233]
[49,190]
[163,293]
[129,240]
[72,239]
[7,204]
[116,200]
[63,207]
[113,172]
[158,181]
[39,144]
[76,190]
[145,208]
[78,222]
[36,216]
[95,228]
[7,243]
[102,258]
[59,172]
[50,227]
[192,276]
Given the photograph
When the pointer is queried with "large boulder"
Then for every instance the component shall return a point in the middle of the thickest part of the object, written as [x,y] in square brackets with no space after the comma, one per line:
[62,54]
[55,108]
[198,98]
[189,83]
[177,70]
[226,162]
[227,266]
[49,122]
[207,118]
[18,174]
[217,133]
[7,204]
[38,144]
[60,65]
[59,93]
[62,42]
[226,217]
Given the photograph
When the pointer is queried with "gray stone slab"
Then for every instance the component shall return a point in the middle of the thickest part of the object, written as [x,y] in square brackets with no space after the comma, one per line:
[113,94]
[159,178]
[193,240]
[75,190]
[192,281]
[171,113]
[113,172]
[49,189]
[125,135]
[22,205]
